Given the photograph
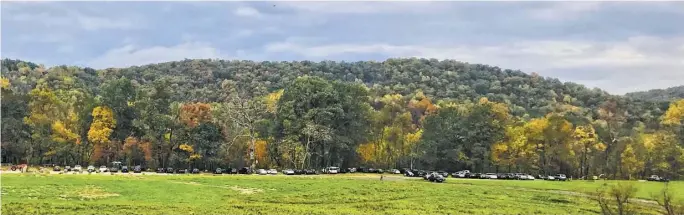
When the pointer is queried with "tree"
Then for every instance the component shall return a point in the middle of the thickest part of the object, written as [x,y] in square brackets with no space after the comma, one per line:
[101,129]
[587,145]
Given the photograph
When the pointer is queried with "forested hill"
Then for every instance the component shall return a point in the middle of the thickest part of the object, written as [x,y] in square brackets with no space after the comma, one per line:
[398,113]
[659,95]
[201,80]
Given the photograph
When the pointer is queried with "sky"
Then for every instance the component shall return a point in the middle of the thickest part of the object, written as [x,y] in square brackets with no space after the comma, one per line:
[617,46]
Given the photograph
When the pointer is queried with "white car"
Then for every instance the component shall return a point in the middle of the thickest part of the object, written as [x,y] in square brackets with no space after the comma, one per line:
[272,171]
[288,172]
[78,168]
[261,172]
[490,176]
[90,168]
[530,177]
[332,170]
[103,169]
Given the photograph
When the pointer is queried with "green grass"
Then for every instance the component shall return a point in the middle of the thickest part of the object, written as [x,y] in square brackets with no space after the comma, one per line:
[238,194]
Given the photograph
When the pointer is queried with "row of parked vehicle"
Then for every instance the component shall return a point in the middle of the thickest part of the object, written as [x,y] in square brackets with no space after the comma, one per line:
[468,174]
[92,169]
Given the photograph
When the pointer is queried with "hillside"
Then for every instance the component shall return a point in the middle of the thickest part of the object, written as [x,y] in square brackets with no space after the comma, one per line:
[659,95]
[200,80]
[396,113]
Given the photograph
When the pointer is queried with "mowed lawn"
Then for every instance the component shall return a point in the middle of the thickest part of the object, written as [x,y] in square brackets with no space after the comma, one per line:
[340,194]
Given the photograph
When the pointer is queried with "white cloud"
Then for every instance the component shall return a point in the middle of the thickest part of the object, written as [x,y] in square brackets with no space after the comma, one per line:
[72,18]
[131,55]
[247,12]
[360,7]
[629,65]
[564,10]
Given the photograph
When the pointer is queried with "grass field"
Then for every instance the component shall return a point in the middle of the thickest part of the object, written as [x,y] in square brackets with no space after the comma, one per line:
[340,194]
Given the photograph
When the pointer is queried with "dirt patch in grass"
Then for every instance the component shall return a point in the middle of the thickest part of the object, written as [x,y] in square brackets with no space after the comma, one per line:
[90,193]
[246,190]
[187,182]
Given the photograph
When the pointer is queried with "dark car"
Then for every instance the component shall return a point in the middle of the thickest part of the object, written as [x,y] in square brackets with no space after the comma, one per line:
[56,168]
[310,172]
[124,169]
[195,171]
[161,170]
[113,169]
[436,177]
[169,170]
[182,171]
[245,170]
[408,173]
[343,170]
[218,171]
[226,170]
[421,173]
[137,169]
[299,172]
[475,175]
[372,170]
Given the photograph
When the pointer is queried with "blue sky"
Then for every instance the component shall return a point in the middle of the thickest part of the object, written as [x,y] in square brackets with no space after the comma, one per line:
[617,46]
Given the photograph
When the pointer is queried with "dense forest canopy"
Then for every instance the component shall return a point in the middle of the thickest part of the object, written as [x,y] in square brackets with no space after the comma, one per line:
[659,95]
[399,113]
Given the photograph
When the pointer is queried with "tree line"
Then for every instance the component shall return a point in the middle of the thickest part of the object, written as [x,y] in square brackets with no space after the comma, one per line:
[400,113]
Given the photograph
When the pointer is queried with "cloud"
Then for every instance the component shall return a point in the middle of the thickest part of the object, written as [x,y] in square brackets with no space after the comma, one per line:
[359,7]
[559,11]
[131,55]
[245,11]
[58,16]
[644,62]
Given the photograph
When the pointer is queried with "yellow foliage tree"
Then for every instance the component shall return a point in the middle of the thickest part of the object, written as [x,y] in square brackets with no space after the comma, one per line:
[272,99]
[674,114]
[102,126]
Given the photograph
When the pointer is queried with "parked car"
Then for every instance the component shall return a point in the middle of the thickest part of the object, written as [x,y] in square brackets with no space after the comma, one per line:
[332,170]
[409,173]
[169,170]
[67,169]
[657,178]
[299,172]
[490,176]
[261,172]
[195,171]
[103,169]
[310,172]
[394,171]
[182,171]
[475,175]
[288,172]
[272,171]
[90,169]
[549,178]
[218,171]
[443,173]
[137,169]
[245,170]
[114,169]
[124,169]
[560,177]
[77,168]
[436,177]
[56,168]
[351,170]
[161,170]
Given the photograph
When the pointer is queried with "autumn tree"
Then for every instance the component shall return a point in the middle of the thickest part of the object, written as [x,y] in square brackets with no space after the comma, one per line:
[100,130]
